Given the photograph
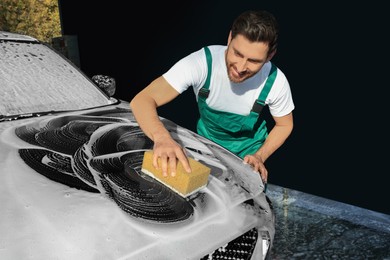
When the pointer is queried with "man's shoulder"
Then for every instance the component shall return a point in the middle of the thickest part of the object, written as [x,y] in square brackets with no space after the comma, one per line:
[216,48]
[216,51]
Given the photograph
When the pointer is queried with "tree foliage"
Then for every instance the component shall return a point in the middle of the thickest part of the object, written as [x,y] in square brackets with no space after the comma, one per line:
[36,18]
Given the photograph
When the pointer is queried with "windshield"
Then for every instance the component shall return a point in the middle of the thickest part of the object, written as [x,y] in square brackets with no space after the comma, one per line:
[34,78]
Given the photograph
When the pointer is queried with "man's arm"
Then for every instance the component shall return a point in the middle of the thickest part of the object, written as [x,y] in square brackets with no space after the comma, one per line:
[277,136]
[144,107]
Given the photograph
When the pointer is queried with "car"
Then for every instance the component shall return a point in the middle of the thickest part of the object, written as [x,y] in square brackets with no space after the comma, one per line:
[71,179]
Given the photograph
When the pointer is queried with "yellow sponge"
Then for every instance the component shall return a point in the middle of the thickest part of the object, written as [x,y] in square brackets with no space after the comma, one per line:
[183,183]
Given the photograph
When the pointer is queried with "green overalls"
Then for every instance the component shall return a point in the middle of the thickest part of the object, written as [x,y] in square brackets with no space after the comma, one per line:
[239,134]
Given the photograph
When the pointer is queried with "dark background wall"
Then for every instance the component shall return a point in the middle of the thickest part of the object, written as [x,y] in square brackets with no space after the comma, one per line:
[333,56]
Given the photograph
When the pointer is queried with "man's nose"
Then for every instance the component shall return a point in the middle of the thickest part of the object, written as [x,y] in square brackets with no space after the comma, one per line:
[242,65]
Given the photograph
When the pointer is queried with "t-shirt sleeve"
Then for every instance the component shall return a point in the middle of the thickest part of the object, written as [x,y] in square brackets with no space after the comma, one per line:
[281,102]
[188,71]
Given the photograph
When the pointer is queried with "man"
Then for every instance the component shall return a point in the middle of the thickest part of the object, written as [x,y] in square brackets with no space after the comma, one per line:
[231,83]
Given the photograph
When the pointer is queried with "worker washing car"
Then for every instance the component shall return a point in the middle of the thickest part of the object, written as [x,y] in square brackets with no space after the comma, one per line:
[232,84]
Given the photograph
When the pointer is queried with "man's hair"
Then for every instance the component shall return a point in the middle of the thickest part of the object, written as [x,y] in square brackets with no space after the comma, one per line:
[257,26]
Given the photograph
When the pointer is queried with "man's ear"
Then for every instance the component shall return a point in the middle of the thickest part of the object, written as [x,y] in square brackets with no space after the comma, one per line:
[229,38]
[271,55]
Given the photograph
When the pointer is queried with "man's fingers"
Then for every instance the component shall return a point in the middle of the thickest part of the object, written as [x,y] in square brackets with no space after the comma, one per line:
[264,174]
[246,159]
[184,161]
[172,165]
[257,166]
[167,162]
[155,161]
[164,165]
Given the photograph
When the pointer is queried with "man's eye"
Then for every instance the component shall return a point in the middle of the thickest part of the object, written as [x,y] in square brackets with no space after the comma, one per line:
[237,54]
[254,61]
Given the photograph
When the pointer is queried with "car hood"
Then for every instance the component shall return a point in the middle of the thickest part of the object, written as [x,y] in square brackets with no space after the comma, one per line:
[72,188]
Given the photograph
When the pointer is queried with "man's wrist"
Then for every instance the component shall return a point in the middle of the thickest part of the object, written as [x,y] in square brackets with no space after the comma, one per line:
[161,134]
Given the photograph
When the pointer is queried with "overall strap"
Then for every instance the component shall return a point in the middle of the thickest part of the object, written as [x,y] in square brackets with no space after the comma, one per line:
[260,102]
[204,91]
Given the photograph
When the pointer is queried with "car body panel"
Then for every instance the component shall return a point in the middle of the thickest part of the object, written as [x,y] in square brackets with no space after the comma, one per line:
[72,187]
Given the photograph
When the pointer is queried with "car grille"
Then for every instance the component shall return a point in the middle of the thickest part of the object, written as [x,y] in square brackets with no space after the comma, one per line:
[240,248]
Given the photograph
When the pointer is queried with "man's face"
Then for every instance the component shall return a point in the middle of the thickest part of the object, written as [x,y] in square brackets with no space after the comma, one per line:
[244,58]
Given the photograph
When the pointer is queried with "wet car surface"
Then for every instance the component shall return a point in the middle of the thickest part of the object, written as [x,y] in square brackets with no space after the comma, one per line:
[71,179]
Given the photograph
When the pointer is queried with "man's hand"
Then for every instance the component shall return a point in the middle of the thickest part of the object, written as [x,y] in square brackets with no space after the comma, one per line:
[258,165]
[165,155]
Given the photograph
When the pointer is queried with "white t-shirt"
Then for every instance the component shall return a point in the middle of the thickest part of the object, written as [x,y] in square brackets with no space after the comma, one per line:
[225,95]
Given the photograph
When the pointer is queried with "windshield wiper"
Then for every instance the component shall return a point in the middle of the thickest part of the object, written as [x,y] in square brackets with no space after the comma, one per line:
[38,114]
[27,115]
